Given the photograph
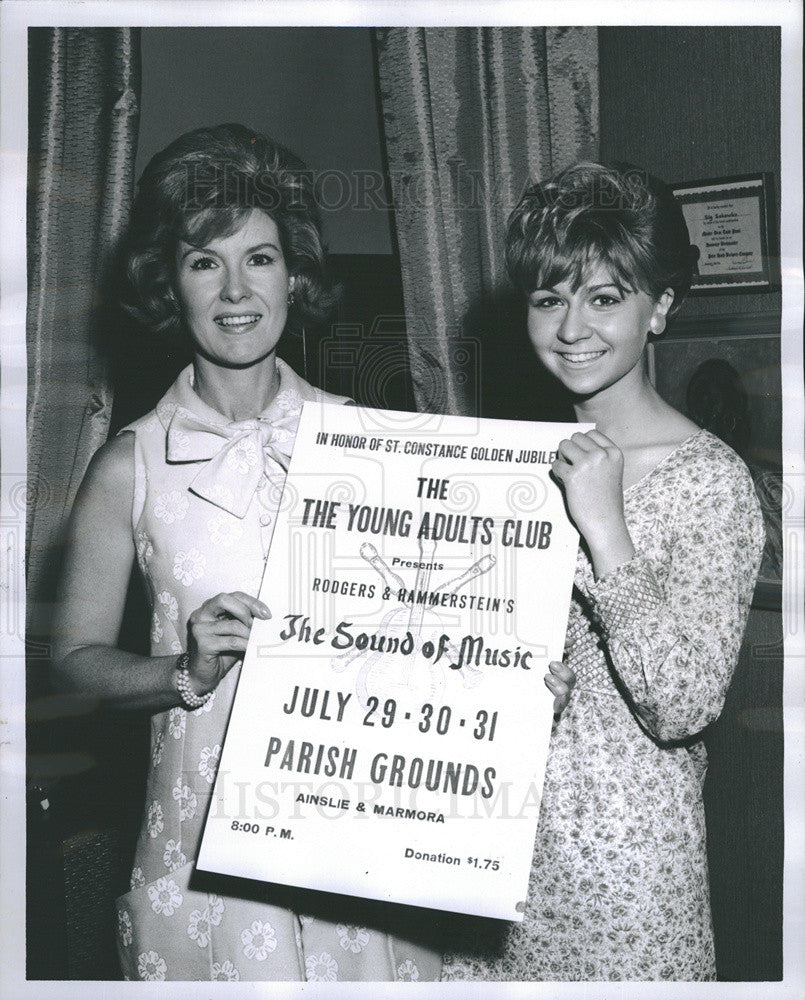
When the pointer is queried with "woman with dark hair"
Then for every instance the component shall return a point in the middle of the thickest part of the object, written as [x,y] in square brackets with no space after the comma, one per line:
[225,247]
[671,538]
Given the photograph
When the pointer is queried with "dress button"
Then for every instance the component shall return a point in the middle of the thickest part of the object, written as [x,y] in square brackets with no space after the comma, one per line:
[266,519]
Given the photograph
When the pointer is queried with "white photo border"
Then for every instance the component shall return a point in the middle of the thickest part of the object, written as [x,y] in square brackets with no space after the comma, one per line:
[15,17]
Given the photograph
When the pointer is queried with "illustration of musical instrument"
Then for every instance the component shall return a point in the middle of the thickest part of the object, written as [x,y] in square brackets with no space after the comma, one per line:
[413,676]
[484,564]
[373,557]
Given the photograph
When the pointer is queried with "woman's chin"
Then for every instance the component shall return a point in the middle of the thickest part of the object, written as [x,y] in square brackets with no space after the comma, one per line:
[236,361]
[581,385]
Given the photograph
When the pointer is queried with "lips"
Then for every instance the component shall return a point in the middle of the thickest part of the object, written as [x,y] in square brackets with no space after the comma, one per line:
[580,357]
[239,320]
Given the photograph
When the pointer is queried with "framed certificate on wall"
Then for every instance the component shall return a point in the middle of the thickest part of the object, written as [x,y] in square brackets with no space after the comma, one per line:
[730,221]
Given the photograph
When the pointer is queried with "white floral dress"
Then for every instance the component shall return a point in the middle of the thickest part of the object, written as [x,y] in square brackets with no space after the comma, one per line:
[206,497]
[619,884]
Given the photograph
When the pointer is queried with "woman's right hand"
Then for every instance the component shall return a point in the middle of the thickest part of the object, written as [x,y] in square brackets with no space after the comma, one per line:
[560,682]
[217,634]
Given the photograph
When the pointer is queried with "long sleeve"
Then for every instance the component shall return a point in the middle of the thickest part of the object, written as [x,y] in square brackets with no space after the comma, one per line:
[672,621]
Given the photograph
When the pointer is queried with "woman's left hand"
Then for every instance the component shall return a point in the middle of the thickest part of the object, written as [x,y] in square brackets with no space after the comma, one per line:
[589,468]
[560,682]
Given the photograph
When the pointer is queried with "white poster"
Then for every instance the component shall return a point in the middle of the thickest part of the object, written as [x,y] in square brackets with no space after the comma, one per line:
[390,729]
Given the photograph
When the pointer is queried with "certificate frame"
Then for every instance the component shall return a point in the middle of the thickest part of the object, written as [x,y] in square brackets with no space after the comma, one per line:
[732,222]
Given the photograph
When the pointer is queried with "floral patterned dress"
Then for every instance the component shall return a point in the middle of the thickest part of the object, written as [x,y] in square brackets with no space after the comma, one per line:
[206,497]
[619,885]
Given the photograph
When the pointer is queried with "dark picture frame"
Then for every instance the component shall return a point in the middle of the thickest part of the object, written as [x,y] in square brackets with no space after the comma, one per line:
[730,220]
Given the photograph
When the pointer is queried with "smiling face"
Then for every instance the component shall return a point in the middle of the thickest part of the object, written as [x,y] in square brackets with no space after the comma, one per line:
[593,338]
[233,293]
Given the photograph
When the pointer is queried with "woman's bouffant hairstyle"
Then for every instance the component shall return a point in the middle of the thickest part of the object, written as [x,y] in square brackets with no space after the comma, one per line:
[200,188]
[589,214]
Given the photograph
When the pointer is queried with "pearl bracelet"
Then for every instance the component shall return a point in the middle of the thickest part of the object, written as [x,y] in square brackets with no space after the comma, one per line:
[189,698]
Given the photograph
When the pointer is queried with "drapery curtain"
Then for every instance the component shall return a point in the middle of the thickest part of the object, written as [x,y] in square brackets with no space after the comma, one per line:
[83,120]
[470,115]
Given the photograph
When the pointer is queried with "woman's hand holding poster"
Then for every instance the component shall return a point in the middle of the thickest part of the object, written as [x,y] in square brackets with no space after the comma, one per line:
[390,729]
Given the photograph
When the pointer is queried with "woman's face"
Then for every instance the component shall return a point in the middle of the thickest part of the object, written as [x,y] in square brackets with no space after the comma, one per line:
[233,293]
[593,338]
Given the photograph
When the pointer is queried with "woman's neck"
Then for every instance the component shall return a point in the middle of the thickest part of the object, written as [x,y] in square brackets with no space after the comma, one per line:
[634,416]
[236,393]
[624,412]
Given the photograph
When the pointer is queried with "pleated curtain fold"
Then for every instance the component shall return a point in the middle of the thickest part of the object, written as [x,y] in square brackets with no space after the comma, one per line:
[470,117]
[83,120]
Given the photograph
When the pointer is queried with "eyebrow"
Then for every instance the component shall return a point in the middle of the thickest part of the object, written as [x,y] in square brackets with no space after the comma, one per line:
[592,288]
[260,246]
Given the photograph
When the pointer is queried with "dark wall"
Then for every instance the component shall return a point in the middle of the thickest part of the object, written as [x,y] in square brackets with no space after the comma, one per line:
[691,104]
[311,88]
[743,802]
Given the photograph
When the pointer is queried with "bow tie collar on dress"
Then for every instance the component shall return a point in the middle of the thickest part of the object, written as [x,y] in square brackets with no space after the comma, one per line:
[234,456]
